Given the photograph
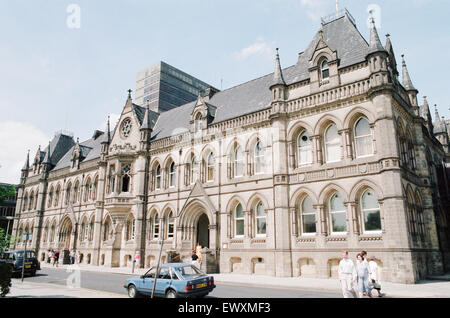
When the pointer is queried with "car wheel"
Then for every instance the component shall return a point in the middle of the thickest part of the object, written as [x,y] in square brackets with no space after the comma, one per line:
[171,294]
[132,292]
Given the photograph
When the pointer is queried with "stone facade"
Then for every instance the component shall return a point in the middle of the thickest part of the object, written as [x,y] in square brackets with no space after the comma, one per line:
[275,176]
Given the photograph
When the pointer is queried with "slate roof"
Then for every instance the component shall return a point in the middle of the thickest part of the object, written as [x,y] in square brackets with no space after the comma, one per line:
[340,34]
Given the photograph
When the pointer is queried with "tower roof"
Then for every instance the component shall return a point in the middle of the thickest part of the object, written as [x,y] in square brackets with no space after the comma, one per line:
[407,83]
[375,43]
[278,74]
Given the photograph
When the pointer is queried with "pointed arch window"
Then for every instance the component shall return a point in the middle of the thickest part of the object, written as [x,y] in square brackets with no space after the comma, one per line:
[172,174]
[94,189]
[238,221]
[50,197]
[307,216]
[158,177]
[259,158]
[260,219]
[210,167]
[131,228]
[304,148]
[324,70]
[126,178]
[106,229]
[332,144]
[370,210]
[57,194]
[30,206]
[91,229]
[337,214]
[155,226]
[363,138]
[238,162]
[25,202]
[170,225]
[194,170]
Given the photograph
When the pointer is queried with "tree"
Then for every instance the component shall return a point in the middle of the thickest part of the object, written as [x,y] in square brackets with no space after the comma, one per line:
[6,192]
[5,240]
[5,279]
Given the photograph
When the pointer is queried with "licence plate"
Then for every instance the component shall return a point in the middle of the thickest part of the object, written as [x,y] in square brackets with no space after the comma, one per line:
[201,285]
[27,266]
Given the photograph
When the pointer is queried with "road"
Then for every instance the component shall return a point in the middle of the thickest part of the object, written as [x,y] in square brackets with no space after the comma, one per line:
[113,283]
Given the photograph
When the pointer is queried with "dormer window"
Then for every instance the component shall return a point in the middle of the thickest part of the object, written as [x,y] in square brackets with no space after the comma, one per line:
[198,122]
[324,70]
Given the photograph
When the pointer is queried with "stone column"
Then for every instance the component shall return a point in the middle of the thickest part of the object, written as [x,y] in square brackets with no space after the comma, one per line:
[99,207]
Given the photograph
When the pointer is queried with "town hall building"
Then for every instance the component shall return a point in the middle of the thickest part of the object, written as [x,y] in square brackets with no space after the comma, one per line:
[276,176]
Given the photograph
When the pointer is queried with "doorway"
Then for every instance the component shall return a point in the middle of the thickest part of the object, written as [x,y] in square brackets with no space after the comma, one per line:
[203,231]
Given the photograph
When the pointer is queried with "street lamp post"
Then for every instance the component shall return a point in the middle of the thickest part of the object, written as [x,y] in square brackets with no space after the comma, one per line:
[157,267]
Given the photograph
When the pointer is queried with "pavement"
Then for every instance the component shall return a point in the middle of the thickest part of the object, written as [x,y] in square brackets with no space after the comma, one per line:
[436,287]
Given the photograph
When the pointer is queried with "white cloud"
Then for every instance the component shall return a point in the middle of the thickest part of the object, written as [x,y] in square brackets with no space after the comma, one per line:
[260,47]
[315,9]
[15,140]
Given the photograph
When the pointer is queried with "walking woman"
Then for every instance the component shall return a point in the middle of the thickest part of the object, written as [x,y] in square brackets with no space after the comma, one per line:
[375,275]
[362,271]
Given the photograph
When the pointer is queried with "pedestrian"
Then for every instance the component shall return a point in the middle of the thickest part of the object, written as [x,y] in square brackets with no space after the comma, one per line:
[78,257]
[375,276]
[362,271]
[50,256]
[198,251]
[137,259]
[347,275]
[56,257]
[364,257]
[72,257]
[194,259]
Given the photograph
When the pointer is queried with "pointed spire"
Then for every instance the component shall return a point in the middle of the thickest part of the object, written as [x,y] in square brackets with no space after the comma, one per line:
[129,93]
[26,166]
[47,160]
[146,121]
[278,75]
[390,49]
[375,43]
[407,83]
[108,128]
[439,125]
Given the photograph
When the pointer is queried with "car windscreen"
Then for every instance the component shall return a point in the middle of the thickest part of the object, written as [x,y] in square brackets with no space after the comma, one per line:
[7,256]
[30,254]
[189,271]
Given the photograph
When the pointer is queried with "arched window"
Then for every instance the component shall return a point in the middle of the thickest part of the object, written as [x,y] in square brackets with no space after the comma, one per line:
[411,155]
[25,202]
[337,214]
[106,229]
[332,144]
[198,122]
[131,228]
[259,158]
[411,206]
[111,185]
[370,210]
[260,219]
[420,218]
[95,188]
[57,194]
[83,230]
[193,170]
[308,216]
[76,190]
[68,193]
[239,221]
[210,167]
[324,70]
[158,177]
[363,138]
[30,206]
[52,233]
[402,144]
[304,148]
[126,178]
[91,229]
[170,225]
[45,236]
[238,161]
[88,191]
[155,226]
[172,174]
[50,197]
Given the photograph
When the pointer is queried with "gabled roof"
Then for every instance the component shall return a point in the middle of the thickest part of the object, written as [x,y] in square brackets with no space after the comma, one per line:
[341,34]
[59,145]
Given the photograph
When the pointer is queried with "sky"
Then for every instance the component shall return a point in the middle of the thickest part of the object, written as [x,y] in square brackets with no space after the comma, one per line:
[67,65]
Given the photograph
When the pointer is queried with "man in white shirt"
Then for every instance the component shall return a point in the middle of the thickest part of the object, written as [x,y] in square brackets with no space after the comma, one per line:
[375,275]
[347,275]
